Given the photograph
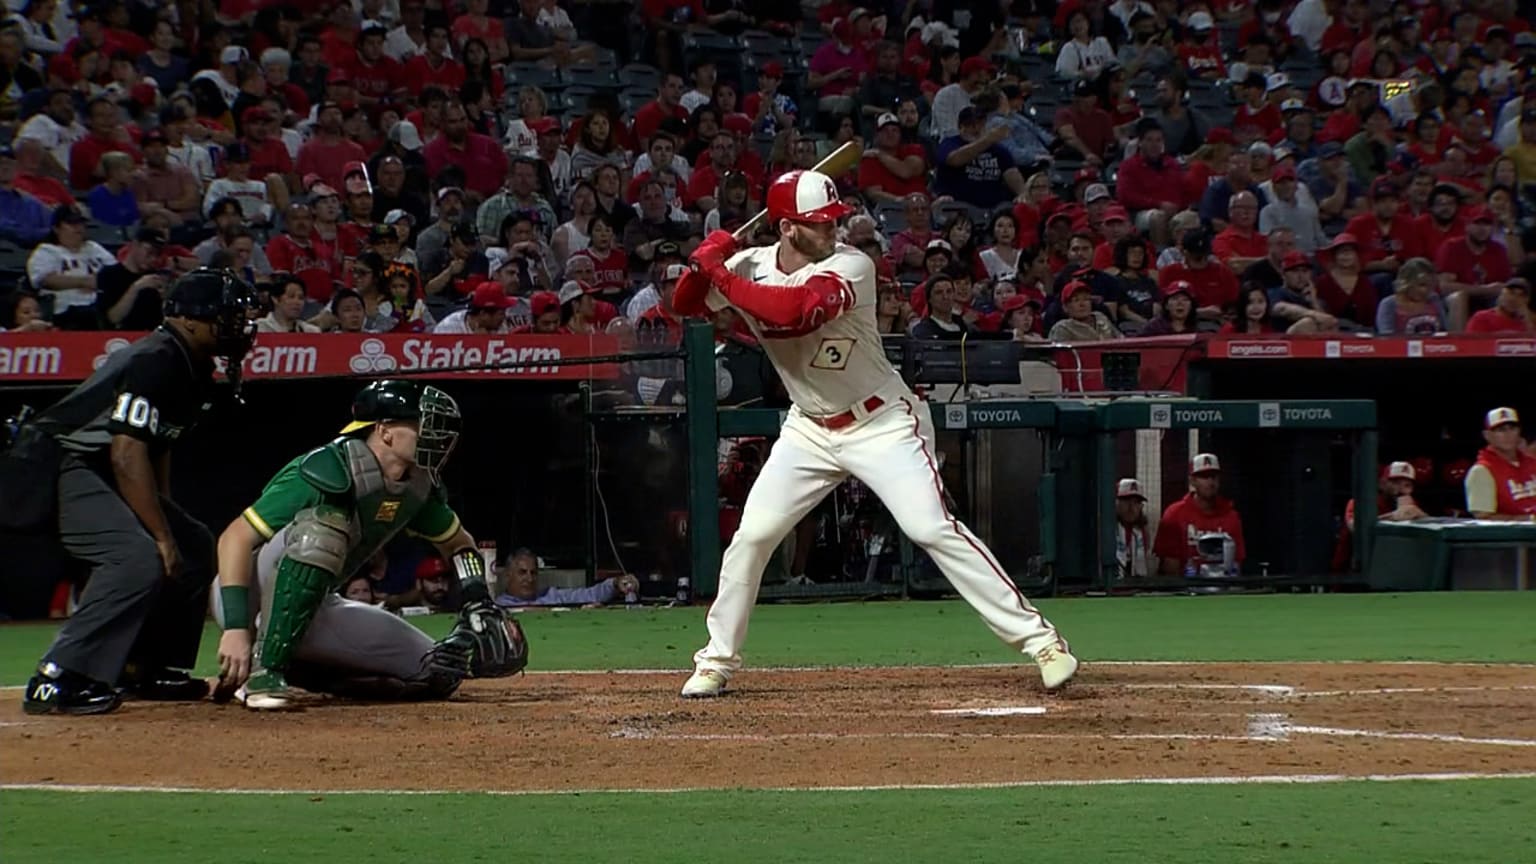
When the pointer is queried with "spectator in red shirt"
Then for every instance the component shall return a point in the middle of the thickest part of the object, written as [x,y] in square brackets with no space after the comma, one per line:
[300,252]
[1442,221]
[1511,314]
[270,161]
[433,67]
[106,134]
[1256,117]
[890,170]
[666,104]
[1201,512]
[482,160]
[1240,244]
[328,152]
[703,186]
[1198,53]
[476,24]
[1473,267]
[1387,236]
[376,77]
[1151,183]
[1086,127]
[836,71]
[1212,285]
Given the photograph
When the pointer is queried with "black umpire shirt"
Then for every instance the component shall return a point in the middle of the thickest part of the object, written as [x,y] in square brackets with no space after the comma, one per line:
[154,390]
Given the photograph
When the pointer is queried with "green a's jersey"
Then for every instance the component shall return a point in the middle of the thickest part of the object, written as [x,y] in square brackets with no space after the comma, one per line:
[344,474]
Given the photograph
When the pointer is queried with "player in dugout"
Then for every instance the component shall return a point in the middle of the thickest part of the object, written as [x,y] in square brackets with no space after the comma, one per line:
[1501,486]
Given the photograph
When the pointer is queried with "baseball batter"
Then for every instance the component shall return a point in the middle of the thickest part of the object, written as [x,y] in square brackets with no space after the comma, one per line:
[811,302]
[326,514]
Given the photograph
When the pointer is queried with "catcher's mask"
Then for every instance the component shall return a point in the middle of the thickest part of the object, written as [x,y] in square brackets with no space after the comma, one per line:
[434,412]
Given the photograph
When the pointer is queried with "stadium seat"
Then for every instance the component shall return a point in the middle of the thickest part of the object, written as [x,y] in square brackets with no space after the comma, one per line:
[590,77]
[531,75]
[640,76]
[576,98]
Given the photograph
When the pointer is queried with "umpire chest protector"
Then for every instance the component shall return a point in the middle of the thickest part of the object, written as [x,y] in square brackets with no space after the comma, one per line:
[380,507]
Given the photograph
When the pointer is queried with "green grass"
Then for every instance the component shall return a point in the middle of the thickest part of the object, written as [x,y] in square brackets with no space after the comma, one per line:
[1344,822]
[1449,626]
[1366,822]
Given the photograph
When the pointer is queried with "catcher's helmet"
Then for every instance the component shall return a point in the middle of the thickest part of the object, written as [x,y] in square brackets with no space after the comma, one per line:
[221,298]
[435,413]
[805,196]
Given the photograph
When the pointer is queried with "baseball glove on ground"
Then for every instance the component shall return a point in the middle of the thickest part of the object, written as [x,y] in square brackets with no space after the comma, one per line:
[494,642]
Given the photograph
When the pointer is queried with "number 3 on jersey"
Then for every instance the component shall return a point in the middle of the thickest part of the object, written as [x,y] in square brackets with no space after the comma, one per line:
[833,354]
[136,412]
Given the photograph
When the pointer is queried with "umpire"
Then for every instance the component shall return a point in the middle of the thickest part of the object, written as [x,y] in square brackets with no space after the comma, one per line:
[150,564]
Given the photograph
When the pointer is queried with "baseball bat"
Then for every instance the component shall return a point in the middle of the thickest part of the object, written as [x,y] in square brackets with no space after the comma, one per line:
[837,163]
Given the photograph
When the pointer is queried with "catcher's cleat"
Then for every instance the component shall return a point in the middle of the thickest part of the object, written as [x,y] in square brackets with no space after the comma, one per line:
[266,691]
[1057,665]
[55,691]
[705,684]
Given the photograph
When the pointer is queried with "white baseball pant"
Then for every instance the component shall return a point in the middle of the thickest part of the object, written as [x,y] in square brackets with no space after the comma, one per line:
[891,451]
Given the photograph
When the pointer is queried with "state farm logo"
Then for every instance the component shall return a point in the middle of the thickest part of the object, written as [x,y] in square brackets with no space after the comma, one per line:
[373,356]
[1266,348]
[107,350]
[1515,348]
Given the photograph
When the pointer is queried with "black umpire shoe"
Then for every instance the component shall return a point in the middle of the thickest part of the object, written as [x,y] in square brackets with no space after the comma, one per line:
[163,685]
[56,691]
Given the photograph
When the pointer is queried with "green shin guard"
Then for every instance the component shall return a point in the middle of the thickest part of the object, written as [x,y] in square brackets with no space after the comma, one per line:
[296,597]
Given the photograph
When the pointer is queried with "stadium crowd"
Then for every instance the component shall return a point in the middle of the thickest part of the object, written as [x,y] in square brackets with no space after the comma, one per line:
[1068,172]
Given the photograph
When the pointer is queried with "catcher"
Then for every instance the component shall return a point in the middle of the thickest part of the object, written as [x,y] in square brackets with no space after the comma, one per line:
[325,515]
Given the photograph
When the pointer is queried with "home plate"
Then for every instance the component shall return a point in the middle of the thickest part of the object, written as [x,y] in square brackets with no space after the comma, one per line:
[999,711]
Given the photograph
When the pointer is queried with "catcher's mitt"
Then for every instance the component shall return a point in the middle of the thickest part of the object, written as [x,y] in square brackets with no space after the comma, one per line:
[494,642]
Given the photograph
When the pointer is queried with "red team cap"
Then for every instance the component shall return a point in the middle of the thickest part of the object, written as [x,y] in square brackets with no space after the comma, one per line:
[805,196]
[544,302]
[1130,487]
[1073,288]
[1401,471]
[1501,417]
[1179,286]
[1204,463]
[488,295]
[1295,261]
[1482,213]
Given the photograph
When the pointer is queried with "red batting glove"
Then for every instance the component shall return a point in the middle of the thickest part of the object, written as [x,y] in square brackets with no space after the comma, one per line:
[710,256]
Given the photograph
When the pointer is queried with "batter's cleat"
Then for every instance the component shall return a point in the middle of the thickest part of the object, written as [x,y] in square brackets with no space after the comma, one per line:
[1057,665]
[704,684]
[266,691]
[164,685]
[56,691]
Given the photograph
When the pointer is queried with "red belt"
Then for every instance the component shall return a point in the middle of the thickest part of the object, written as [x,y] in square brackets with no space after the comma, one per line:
[847,418]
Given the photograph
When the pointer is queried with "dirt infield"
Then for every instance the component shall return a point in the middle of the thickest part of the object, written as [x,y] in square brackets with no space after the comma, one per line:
[835,727]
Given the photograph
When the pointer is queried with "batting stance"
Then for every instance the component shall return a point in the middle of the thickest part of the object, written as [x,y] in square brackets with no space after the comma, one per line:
[811,302]
[317,522]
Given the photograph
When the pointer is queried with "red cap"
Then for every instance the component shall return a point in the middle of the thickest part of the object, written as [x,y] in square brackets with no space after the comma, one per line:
[488,295]
[1220,135]
[1073,288]
[1295,260]
[64,68]
[771,69]
[737,124]
[1283,171]
[1481,213]
[255,114]
[339,76]
[1344,239]
[544,302]
[1178,286]
[144,94]
[977,66]
[1116,213]
[1009,304]
[543,124]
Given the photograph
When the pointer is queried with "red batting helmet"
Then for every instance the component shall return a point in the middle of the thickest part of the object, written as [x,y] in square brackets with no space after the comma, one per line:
[805,196]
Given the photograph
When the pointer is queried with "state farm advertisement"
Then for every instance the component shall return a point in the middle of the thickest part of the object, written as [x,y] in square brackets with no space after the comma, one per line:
[74,355]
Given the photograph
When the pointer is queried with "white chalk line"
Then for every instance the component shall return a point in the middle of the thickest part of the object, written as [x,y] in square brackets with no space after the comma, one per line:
[1409,736]
[1023,664]
[1388,691]
[1237,780]
[752,737]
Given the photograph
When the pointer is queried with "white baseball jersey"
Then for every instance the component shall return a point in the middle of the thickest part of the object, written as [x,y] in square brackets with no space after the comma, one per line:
[837,365]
